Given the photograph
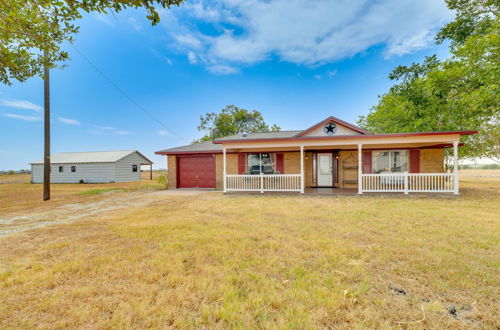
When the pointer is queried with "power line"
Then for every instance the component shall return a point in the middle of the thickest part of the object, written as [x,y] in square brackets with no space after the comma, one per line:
[121,91]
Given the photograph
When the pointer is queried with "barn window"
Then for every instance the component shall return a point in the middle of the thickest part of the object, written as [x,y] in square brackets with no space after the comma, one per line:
[134,168]
[61,169]
[73,169]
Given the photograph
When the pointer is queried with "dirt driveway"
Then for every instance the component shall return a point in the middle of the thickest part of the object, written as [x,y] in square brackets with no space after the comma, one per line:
[111,201]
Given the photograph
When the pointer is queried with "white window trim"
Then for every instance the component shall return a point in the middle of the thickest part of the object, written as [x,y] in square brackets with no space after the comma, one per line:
[390,160]
[273,160]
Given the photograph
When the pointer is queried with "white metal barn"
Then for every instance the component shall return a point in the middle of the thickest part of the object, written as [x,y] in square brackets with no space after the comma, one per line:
[92,167]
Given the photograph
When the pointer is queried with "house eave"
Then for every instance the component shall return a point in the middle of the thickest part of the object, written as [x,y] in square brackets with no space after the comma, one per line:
[340,137]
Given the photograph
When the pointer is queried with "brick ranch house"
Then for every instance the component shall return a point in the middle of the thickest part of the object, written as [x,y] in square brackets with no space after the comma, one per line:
[331,156]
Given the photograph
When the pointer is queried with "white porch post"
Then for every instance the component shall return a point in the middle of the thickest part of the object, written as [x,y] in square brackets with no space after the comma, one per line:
[301,169]
[360,171]
[224,168]
[406,182]
[455,167]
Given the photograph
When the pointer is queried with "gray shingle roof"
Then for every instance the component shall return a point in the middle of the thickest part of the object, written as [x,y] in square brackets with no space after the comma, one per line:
[195,147]
[90,157]
[268,135]
[210,146]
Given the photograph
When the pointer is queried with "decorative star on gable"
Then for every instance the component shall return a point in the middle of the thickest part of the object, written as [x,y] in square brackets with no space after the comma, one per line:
[330,129]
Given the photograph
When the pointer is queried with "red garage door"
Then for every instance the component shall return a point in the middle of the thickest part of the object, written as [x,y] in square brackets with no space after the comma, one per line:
[196,171]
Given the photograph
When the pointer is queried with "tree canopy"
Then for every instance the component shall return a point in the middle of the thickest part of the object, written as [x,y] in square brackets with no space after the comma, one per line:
[233,120]
[32,31]
[459,93]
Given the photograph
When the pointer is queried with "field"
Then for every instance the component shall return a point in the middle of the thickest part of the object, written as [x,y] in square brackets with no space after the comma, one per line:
[17,195]
[144,258]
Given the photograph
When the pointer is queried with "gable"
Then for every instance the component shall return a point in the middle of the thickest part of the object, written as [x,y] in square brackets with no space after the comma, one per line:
[332,127]
[339,130]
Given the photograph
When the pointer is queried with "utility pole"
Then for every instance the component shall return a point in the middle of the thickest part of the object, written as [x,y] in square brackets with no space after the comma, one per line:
[46,133]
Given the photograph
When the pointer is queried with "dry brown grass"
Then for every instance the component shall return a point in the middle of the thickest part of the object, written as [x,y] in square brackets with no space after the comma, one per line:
[263,262]
[22,196]
[480,173]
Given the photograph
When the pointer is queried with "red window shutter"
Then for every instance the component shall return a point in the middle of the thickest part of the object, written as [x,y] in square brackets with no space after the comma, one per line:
[242,163]
[414,161]
[280,163]
[367,162]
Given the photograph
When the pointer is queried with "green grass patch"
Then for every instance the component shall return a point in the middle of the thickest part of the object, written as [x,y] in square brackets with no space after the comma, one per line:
[99,191]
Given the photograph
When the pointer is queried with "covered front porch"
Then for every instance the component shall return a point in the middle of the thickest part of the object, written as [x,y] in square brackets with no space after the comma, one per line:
[332,167]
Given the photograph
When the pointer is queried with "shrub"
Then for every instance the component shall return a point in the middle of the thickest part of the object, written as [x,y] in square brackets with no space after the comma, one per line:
[162,179]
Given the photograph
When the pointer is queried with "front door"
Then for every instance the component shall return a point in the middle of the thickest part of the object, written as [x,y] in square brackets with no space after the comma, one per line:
[325,169]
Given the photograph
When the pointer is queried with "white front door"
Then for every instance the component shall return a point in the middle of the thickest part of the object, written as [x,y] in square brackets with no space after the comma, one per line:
[325,169]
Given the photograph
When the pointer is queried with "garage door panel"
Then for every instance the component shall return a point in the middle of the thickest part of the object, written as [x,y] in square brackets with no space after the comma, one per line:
[196,171]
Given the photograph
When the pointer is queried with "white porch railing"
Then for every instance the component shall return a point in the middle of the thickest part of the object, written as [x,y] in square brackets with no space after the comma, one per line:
[408,182]
[263,182]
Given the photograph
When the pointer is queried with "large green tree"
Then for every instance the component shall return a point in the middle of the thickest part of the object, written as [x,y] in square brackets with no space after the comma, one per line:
[233,120]
[459,93]
[32,31]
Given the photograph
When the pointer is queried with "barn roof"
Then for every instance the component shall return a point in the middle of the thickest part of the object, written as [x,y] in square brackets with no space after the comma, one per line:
[91,157]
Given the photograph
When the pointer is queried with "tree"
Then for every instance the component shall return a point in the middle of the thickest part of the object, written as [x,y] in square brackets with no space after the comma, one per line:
[232,120]
[32,31]
[459,93]
[31,34]
[472,17]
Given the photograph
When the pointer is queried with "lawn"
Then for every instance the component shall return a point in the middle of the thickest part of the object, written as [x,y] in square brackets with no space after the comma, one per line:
[211,261]
[18,195]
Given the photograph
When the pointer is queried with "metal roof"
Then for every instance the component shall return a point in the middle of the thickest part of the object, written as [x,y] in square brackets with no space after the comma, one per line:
[91,157]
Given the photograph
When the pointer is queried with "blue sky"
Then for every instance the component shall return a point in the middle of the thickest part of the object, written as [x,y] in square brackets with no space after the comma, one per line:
[296,61]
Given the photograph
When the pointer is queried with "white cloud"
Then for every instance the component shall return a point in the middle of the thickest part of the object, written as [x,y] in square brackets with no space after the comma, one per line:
[22,117]
[331,73]
[188,40]
[68,121]
[192,57]
[163,133]
[100,130]
[201,12]
[94,131]
[21,104]
[104,18]
[122,132]
[318,77]
[105,128]
[304,32]
[410,44]
[220,69]
[132,21]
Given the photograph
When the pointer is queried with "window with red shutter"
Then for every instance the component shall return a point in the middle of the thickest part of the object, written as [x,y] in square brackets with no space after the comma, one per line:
[367,162]
[242,163]
[280,163]
[414,161]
